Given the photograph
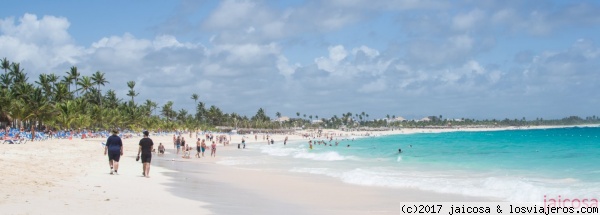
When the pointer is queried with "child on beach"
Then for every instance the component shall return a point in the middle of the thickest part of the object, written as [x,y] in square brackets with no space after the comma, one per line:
[161,149]
[186,152]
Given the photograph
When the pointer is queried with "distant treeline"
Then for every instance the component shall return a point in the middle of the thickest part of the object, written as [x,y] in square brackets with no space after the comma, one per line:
[74,101]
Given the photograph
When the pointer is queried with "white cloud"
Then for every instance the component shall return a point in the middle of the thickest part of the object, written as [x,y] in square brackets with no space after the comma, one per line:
[372,53]
[468,20]
[427,50]
[336,55]
[169,41]
[284,68]
[248,53]
[373,87]
[40,43]
[233,14]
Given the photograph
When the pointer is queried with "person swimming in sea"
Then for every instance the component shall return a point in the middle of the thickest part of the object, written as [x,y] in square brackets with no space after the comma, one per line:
[399,151]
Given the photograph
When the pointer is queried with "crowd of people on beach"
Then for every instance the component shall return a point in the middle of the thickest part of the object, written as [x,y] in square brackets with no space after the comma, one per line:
[180,145]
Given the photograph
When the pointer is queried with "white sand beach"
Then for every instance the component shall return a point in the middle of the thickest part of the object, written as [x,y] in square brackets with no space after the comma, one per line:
[72,177]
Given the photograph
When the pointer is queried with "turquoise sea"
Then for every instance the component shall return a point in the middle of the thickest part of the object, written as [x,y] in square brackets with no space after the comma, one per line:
[512,165]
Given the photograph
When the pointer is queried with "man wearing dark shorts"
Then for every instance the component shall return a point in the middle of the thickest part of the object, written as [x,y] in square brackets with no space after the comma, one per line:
[146,146]
[114,149]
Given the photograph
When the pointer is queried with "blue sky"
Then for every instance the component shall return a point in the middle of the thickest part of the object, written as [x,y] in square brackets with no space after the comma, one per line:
[464,58]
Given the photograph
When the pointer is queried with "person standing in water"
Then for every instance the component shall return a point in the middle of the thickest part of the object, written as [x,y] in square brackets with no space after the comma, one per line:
[114,149]
[146,146]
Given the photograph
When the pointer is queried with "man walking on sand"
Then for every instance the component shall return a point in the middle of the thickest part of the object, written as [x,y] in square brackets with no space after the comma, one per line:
[146,146]
[114,149]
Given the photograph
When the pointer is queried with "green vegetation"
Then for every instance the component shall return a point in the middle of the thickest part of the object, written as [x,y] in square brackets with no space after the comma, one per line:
[74,101]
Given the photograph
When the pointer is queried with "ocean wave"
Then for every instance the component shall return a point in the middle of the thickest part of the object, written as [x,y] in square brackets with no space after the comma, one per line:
[238,161]
[494,187]
[316,171]
[323,156]
[280,151]
[304,153]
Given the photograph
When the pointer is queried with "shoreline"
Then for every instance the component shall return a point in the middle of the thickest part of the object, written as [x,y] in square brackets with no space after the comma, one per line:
[71,176]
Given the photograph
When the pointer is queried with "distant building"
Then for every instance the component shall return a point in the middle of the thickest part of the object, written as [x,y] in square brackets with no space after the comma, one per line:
[424,119]
[282,119]
[398,119]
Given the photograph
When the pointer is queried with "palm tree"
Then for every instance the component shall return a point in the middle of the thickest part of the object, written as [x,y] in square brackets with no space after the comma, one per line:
[85,84]
[5,64]
[278,115]
[132,93]
[44,83]
[98,78]
[195,98]
[167,111]
[72,76]
[111,99]
[150,106]
[18,75]
[5,81]
[234,117]
[200,111]
[67,113]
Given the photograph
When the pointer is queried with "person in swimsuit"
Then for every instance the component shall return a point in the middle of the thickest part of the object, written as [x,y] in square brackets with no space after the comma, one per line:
[203,147]
[198,148]
[161,149]
[183,146]
[213,149]
[178,143]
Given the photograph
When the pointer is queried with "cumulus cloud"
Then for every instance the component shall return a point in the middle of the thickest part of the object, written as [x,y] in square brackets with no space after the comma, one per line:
[313,55]
[39,43]
[468,20]
[373,87]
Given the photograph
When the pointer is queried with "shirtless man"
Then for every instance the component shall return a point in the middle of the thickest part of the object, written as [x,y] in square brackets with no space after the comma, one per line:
[198,148]
[213,149]
[203,147]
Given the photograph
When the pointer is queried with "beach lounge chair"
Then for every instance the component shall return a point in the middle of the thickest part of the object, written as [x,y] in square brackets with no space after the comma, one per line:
[14,141]
[9,141]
